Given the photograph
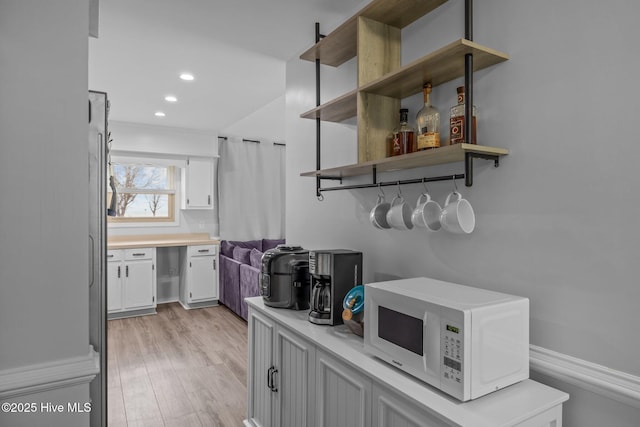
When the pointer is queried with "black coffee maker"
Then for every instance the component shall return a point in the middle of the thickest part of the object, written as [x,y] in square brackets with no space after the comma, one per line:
[333,273]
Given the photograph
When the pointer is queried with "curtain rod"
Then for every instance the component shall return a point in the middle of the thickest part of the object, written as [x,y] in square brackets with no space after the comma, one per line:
[225,138]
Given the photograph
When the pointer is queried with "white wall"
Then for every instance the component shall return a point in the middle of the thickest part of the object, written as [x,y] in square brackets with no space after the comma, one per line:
[174,143]
[43,185]
[265,123]
[556,222]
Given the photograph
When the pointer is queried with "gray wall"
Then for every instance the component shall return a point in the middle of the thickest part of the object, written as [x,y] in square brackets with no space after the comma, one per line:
[43,186]
[556,222]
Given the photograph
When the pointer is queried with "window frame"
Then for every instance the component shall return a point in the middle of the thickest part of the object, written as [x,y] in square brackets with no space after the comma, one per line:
[172,177]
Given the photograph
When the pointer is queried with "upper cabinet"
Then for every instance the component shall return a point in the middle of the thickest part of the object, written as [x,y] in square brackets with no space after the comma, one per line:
[374,36]
[197,183]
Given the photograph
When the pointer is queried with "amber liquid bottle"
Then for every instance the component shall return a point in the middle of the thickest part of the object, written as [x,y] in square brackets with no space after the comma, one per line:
[457,124]
[403,136]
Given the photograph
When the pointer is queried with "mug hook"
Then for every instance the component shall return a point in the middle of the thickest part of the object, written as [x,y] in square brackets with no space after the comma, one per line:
[380,189]
[425,186]
[399,191]
[455,186]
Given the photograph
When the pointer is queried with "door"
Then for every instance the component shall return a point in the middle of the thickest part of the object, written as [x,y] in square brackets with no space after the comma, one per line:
[114,285]
[343,395]
[199,188]
[294,378]
[138,284]
[203,278]
[259,404]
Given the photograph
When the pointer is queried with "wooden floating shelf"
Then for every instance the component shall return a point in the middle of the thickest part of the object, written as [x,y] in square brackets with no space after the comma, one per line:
[441,66]
[437,156]
[336,110]
[340,45]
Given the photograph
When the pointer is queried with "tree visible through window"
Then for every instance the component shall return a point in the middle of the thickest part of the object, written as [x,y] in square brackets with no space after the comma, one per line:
[144,192]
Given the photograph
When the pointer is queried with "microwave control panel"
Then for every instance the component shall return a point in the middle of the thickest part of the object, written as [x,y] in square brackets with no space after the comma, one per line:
[451,352]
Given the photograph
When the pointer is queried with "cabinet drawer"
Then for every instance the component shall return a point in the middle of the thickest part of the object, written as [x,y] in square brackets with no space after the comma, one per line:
[202,250]
[114,255]
[139,253]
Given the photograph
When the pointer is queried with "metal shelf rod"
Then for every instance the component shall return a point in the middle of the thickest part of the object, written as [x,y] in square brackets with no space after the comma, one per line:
[389,183]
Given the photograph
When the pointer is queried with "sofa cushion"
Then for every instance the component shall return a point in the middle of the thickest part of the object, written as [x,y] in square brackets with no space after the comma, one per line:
[242,255]
[248,244]
[255,258]
[226,248]
[271,243]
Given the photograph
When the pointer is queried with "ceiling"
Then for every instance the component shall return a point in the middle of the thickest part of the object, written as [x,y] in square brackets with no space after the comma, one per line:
[236,49]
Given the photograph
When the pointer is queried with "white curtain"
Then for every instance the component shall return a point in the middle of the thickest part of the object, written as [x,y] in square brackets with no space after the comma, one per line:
[251,188]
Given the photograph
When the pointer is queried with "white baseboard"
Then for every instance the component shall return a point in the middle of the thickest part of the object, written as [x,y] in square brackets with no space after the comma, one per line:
[49,375]
[616,385]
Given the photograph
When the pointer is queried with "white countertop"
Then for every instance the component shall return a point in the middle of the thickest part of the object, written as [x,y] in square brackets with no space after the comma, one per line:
[505,407]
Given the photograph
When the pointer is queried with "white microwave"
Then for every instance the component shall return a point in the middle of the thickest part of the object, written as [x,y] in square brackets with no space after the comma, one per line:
[462,340]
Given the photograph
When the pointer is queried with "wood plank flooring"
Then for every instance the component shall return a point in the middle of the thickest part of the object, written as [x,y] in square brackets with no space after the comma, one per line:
[177,368]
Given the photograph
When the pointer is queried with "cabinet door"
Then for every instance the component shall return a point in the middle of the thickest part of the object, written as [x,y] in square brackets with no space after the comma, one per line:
[392,410]
[139,284]
[114,286]
[203,278]
[199,184]
[259,402]
[294,380]
[343,395]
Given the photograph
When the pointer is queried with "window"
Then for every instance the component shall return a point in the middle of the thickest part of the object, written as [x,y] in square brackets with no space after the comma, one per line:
[145,192]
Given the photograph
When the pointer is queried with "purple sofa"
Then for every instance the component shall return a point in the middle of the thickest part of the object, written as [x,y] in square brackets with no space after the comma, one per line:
[240,271]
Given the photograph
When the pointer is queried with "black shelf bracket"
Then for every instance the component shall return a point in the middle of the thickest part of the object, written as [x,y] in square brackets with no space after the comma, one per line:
[468,164]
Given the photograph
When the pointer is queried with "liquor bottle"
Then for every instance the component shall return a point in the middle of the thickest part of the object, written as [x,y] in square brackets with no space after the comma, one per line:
[403,136]
[428,123]
[456,121]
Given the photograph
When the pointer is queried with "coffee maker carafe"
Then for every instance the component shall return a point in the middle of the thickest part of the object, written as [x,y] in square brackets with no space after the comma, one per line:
[333,273]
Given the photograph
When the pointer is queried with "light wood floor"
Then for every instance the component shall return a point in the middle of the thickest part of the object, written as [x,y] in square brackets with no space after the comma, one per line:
[177,368]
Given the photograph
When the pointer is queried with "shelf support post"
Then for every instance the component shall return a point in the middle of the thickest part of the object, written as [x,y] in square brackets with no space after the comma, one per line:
[318,37]
[468,74]
[468,169]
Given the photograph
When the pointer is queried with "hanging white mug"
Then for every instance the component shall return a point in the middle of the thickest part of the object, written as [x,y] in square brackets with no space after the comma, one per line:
[457,215]
[378,215]
[399,216]
[427,213]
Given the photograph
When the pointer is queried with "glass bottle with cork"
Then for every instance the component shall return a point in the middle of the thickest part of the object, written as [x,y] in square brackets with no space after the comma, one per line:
[428,123]
[456,121]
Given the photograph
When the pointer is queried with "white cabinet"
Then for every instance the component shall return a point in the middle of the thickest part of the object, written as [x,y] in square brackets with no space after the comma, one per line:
[197,183]
[326,379]
[131,282]
[199,276]
[343,395]
[281,376]
[390,409]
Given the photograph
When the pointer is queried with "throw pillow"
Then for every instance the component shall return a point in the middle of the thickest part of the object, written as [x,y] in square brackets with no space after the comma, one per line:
[248,244]
[226,248]
[256,258]
[242,255]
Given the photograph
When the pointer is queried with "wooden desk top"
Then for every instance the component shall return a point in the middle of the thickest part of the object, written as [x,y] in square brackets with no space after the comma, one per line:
[160,240]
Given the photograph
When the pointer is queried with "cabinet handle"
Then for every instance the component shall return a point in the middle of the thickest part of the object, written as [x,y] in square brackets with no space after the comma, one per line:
[273,383]
[209,199]
[126,271]
[187,201]
[203,250]
[118,272]
[110,256]
[139,254]
[214,263]
[269,385]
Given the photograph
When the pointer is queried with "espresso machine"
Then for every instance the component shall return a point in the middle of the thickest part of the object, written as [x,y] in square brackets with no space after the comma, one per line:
[333,273]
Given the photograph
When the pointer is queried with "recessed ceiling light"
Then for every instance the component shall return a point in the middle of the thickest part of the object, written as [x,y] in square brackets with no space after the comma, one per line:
[170,98]
[160,114]
[186,76]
